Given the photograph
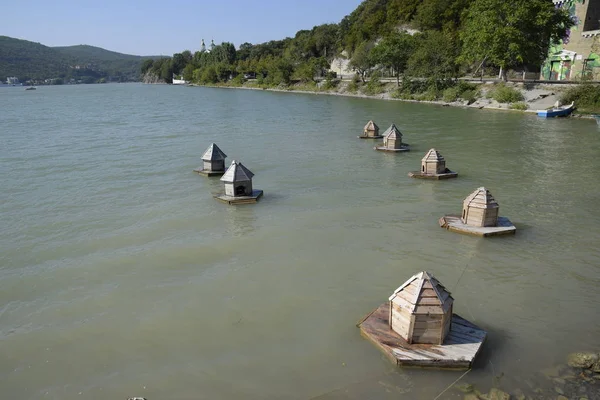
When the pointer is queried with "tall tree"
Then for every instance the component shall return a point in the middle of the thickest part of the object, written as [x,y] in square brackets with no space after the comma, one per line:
[394,52]
[361,60]
[510,33]
[434,57]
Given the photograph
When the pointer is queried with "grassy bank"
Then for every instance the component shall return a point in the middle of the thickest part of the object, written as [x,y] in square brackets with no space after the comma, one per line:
[586,97]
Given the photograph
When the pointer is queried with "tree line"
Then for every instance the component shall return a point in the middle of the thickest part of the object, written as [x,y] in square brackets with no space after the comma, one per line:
[436,40]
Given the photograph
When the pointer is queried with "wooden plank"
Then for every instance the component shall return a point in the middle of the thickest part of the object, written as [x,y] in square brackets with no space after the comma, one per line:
[429,293]
[418,291]
[428,310]
[427,324]
[429,301]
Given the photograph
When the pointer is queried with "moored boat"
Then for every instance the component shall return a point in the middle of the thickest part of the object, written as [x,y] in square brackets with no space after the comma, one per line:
[557,111]
[178,81]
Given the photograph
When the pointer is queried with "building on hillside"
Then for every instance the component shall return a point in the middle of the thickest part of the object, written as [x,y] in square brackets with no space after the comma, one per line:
[574,58]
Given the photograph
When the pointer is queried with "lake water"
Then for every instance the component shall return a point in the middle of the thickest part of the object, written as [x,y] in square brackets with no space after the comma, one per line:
[121,275]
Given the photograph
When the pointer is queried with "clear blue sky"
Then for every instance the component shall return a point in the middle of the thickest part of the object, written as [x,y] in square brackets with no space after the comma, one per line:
[164,27]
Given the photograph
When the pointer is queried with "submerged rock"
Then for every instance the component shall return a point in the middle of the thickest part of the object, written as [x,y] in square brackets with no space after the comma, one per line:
[497,394]
[465,387]
[582,360]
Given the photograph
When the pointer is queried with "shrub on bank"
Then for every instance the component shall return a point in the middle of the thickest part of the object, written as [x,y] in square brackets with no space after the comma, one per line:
[353,86]
[374,86]
[505,94]
[586,97]
[521,105]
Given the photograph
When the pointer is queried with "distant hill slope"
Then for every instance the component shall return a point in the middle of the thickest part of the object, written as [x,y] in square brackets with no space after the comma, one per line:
[25,59]
[29,60]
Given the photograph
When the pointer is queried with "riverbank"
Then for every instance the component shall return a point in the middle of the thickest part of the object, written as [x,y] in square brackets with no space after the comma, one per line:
[533,97]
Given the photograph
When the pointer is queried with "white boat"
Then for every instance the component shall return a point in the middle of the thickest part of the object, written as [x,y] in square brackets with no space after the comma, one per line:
[178,81]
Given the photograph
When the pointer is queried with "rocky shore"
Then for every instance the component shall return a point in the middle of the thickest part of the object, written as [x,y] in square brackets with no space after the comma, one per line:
[578,379]
[536,97]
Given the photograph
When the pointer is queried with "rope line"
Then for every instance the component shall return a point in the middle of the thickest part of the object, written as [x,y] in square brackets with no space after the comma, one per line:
[452,384]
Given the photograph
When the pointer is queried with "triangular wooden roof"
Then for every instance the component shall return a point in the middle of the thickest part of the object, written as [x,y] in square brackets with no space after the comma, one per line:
[392,133]
[237,173]
[371,126]
[422,294]
[480,198]
[433,156]
[213,153]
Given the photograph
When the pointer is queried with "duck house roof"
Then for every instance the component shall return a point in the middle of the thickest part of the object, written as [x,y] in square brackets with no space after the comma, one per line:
[392,133]
[480,198]
[433,156]
[371,126]
[237,173]
[213,153]
[423,293]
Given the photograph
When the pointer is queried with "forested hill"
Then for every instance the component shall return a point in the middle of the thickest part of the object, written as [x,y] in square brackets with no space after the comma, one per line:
[434,39]
[88,64]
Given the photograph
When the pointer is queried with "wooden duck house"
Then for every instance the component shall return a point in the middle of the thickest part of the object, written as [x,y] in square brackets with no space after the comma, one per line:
[392,140]
[213,161]
[479,216]
[238,185]
[421,310]
[433,166]
[370,131]
[416,327]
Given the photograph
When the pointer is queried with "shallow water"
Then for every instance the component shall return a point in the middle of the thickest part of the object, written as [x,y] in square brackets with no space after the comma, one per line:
[121,276]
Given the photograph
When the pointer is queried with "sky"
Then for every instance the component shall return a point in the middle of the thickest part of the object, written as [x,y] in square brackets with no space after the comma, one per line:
[164,27]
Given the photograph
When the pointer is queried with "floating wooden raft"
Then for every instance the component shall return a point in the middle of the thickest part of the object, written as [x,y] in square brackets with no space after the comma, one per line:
[369,137]
[453,223]
[460,347]
[256,194]
[420,175]
[404,147]
[204,172]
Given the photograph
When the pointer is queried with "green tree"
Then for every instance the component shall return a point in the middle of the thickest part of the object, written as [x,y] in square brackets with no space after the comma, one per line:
[434,57]
[188,72]
[146,65]
[394,52]
[510,33]
[440,14]
[361,60]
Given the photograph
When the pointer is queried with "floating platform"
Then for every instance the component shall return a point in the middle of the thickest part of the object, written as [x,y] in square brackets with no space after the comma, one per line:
[370,137]
[460,347]
[256,194]
[446,175]
[454,223]
[383,148]
[209,173]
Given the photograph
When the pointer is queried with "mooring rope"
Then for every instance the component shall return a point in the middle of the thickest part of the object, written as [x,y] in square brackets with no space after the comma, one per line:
[452,384]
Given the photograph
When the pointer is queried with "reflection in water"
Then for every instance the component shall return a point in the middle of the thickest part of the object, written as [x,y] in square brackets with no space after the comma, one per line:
[240,220]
